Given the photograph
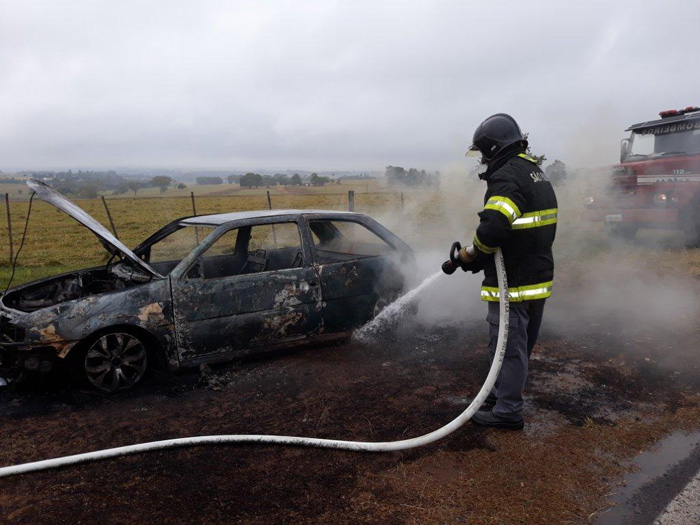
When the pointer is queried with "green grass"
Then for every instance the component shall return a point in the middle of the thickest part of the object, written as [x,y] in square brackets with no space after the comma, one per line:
[56,243]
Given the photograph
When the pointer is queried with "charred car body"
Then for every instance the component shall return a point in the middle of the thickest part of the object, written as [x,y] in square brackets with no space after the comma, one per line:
[202,289]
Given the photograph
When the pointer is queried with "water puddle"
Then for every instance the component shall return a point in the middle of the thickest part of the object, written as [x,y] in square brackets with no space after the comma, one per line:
[649,465]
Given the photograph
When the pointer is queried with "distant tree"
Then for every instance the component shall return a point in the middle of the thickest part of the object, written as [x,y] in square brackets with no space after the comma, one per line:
[397,175]
[296,180]
[281,179]
[204,181]
[231,178]
[65,189]
[134,186]
[556,172]
[181,186]
[162,182]
[315,180]
[88,190]
[539,158]
[413,177]
[251,180]
[269,181]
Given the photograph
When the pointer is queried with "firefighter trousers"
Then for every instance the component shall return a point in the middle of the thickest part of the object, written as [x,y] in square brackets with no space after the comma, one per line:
[524,327]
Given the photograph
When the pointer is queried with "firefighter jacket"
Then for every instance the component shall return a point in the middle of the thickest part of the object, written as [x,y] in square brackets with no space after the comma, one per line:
[520,217]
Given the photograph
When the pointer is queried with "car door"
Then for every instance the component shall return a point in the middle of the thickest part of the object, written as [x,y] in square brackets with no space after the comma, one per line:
[358,271]
[253,287]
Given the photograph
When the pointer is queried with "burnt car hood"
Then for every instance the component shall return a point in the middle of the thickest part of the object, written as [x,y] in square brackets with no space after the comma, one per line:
[113,245]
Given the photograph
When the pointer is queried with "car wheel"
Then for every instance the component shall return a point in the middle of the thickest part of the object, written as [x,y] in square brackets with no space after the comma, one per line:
[115,361]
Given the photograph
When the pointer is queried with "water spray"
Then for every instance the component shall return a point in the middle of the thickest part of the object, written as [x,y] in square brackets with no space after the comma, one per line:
[392,312]
[359,446]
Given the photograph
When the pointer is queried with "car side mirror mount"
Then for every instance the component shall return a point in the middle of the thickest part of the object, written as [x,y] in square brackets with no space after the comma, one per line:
[624,149]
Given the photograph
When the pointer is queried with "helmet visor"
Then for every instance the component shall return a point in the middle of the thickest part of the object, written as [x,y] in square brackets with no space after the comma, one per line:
[473,151]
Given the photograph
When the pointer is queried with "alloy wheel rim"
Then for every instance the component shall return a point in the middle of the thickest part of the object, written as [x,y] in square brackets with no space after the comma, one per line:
[115,361]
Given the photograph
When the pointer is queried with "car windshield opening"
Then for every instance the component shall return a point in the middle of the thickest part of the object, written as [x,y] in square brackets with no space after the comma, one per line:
[338,240]
[678,143]
[165,254]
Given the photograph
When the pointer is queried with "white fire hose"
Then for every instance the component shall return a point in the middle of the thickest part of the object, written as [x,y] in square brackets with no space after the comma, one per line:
[361,446]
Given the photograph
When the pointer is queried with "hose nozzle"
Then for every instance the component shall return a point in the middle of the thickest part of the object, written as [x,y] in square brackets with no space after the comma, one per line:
[450,267]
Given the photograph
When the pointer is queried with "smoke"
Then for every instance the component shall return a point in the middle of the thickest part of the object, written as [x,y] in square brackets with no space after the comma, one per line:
[452,298]
[621,289]
[596,142]
[430,221]
[601,284]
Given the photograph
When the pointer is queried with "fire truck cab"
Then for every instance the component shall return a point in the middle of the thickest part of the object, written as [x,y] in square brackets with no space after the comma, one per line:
[657,182]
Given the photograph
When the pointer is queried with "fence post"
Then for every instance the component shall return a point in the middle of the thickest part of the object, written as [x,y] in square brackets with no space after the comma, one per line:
[269,207]
[9,226]
[194,212]
[351,200]
[401,202]
[194,208]
[109,216]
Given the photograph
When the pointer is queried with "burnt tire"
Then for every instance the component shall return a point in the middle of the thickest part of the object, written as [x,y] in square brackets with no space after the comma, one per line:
[113,361]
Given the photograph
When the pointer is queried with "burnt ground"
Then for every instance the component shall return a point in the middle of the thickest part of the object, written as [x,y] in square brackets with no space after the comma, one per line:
[593,402]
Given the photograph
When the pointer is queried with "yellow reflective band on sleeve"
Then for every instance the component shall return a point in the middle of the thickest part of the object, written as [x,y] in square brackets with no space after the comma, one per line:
[489,293]
[482,247]
[504,205]
[519,293]
[527,157]
[535,219]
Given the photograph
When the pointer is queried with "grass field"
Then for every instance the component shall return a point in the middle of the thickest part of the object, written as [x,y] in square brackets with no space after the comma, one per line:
[427,219]
[56,243]
[21,192]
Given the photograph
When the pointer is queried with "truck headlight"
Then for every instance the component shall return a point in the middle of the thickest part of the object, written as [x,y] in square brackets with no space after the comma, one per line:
[660,198]
[588,201]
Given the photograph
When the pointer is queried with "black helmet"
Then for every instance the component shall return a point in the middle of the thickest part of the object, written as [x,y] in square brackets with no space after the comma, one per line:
[494,135]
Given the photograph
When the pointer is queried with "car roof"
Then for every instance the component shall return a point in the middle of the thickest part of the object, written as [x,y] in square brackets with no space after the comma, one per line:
[222,218]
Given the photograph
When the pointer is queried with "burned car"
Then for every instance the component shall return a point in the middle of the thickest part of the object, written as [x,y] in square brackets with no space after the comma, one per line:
[202,289]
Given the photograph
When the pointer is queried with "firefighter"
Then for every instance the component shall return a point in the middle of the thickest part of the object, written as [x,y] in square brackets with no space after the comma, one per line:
[520,218]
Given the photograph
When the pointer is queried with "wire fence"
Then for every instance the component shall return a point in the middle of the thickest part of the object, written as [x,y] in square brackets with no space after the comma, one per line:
[54,243]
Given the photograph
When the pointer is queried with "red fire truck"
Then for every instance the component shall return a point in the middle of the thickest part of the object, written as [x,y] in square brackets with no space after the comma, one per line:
[657,183]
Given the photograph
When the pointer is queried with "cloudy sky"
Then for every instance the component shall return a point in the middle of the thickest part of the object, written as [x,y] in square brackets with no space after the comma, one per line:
[331,84]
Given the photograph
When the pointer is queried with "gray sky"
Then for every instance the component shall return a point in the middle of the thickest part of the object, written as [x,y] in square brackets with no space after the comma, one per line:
[331,84]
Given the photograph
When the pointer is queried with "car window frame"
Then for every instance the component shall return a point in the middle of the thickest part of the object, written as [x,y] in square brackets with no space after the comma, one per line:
[356,220]
[181,271]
